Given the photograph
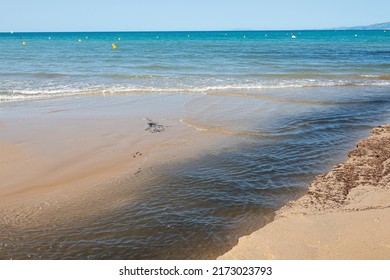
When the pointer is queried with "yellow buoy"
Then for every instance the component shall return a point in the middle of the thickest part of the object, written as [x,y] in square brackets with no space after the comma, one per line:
[80,40]
[24,43]
[114,46]
[244,37]
[119,39]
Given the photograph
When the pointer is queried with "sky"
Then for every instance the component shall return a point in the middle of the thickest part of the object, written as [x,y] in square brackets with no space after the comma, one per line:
[170,15]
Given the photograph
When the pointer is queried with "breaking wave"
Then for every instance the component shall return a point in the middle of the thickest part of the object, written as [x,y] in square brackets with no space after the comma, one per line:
[22,90]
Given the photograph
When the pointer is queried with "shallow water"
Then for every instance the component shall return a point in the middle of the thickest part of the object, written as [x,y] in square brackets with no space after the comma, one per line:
[288,108]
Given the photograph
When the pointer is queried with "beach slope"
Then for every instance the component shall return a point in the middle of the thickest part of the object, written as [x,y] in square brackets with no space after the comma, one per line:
[344,215]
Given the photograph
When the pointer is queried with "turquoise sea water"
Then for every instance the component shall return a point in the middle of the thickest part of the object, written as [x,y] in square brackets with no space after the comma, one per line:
[189,62]
[291,107]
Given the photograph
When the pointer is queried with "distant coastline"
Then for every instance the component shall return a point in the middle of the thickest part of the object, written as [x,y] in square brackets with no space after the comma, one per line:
[376,26]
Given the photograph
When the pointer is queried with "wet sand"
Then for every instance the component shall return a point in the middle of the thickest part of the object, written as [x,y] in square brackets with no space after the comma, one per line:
[63,161]
[344,215]
[57,156]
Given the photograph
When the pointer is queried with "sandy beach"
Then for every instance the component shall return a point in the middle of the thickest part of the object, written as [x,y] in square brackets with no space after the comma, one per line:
[57,157]
[60,163]
[176,145]
[344,215]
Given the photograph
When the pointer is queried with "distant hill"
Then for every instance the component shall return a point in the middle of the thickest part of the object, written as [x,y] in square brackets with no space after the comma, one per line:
[377,26]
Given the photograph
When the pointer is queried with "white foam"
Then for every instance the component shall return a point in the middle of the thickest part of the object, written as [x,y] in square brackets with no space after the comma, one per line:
[22,90]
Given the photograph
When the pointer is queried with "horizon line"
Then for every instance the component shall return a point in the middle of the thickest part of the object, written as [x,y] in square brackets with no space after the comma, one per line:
[167,31]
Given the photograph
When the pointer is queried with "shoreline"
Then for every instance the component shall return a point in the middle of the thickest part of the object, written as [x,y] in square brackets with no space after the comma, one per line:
[61,157]
[66,162]
[344,214]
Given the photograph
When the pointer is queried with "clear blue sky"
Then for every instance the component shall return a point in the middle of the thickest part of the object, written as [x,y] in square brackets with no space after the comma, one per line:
[139,15]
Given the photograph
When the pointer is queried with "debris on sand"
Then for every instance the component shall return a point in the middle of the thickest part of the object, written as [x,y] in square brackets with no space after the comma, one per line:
[154,127]
[136,154]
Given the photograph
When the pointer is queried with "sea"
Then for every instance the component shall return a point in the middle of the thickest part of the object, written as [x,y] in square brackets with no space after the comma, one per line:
[292,104]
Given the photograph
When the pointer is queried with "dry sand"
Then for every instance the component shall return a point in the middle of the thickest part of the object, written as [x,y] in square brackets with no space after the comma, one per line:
[344,215]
